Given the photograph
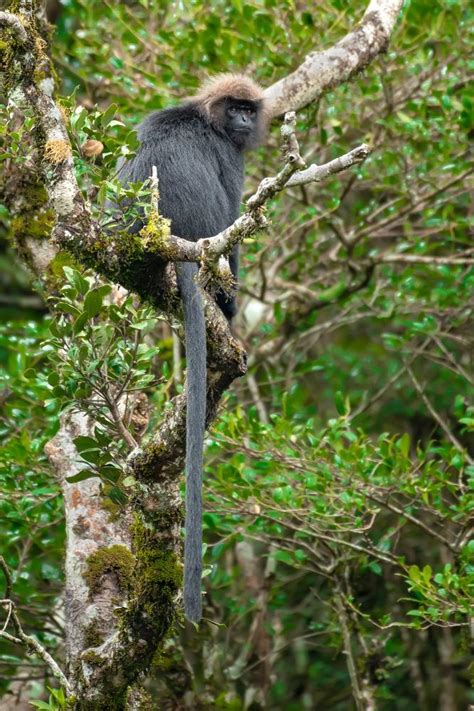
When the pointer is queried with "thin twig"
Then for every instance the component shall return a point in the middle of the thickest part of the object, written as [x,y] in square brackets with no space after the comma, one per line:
[444,426]
[32,645]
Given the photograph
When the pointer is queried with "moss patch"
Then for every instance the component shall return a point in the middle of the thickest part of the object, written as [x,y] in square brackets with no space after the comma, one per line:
[115,559]
[91,657]
[54,277]
[7,54]
[149,463]
[114,510]
[32,218]
[33,225]
[157,579]
[92,636]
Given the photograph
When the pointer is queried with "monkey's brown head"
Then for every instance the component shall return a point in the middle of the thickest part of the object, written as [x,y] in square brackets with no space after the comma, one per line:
[234,104]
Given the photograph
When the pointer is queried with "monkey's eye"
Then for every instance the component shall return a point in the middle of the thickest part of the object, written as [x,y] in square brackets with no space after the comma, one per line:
[232,111]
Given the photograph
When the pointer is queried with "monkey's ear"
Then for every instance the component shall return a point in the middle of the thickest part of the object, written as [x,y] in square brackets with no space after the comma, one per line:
[215,112]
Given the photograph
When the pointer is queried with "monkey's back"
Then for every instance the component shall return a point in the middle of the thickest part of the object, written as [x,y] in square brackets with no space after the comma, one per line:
[200,170]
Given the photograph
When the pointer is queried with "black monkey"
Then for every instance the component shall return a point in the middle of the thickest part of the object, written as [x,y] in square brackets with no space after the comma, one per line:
[198,149]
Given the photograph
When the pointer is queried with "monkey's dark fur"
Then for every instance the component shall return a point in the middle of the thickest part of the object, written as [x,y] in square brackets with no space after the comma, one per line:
[197,149]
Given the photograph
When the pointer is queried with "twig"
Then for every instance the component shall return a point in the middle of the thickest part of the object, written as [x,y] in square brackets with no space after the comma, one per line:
[177,370]
[208,250]
[381,392]
[348,651]
[317,173]
[259,404]
[452,438]
[32,645]
[290,147]
[421,259]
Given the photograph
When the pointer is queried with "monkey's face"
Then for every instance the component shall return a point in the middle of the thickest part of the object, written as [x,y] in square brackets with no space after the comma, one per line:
[240,120]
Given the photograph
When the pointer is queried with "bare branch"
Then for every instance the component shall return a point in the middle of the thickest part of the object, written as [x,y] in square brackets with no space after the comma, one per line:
[32,645]
[252,220]
[422,259]
[436,416]
[8,577]
[290,147]
[317,173]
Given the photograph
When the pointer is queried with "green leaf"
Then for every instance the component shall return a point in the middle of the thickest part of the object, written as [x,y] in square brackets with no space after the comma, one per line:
[80,322]
[117,495]
[78,118]
[76,279]
[427,573]
[53,378]
[83,443]
[92,456]
[81,476]
[94,300]
[403,444]
[341,405]
[67,307]
[108,115]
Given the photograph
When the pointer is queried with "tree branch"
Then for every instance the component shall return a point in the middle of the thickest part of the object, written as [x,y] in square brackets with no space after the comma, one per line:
[32,645]
[327,69]
[13,22]
[422,259]
[318,173]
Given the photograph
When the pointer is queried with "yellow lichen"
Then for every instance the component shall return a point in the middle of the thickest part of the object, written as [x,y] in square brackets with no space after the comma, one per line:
[40,45]
[57,150]
[65,112]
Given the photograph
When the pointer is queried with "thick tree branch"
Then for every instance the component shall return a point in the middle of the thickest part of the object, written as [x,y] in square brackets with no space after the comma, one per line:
[329,68]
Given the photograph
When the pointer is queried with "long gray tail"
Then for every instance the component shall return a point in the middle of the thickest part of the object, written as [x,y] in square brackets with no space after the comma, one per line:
[196,361]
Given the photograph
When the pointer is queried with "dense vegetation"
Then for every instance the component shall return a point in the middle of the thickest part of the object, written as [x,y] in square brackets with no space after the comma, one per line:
[338,473]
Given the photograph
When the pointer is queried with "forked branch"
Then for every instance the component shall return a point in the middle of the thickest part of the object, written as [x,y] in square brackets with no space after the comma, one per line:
[20,637]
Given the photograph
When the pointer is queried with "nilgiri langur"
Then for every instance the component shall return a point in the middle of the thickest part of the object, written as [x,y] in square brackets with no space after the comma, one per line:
[198,150]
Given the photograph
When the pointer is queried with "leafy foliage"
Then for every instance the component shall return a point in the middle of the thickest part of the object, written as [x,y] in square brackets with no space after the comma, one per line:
[339,483]
[100,358]
[31,525]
